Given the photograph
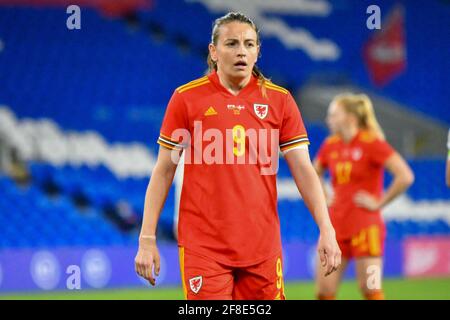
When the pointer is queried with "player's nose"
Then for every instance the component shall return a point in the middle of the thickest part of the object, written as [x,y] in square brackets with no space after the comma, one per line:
[242,51]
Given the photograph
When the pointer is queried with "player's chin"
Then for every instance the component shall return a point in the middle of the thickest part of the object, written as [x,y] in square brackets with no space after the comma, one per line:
[241,72]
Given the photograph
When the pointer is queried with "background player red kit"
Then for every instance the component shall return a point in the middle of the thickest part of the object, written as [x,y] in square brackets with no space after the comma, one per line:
[356,156]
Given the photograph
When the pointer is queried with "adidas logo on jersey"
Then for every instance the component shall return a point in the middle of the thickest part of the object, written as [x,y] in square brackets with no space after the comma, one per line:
[210,112]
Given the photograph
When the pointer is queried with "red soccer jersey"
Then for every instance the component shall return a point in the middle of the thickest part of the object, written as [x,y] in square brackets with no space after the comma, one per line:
[228,208]
[354,166]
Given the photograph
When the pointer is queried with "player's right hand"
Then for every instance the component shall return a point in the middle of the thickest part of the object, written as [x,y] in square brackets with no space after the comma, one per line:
[147,261]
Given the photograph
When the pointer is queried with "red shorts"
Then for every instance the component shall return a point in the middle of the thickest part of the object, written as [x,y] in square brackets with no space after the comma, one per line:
[206,279]
[368,242]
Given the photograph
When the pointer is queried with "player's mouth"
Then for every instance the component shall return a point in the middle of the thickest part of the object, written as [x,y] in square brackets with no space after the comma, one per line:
[241,65]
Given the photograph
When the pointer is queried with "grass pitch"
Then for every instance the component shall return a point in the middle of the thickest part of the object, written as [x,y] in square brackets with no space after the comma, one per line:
[396,289]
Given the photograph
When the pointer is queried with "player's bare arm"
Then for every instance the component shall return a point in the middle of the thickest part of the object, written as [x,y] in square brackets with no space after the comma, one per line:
[309,186]
[320,173]
[147,262]
[403,178]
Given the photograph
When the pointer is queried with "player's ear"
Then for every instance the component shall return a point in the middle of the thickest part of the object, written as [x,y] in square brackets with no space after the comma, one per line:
[259,53]
[212,52]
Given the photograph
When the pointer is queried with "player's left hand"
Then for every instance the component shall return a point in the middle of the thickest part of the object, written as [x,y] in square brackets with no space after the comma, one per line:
[365,200]
[329,251]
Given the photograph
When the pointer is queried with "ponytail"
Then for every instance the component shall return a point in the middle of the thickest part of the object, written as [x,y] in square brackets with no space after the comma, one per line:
[262,80]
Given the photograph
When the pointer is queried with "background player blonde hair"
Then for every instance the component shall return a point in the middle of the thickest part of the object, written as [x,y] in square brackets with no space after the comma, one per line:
[356,155]
[361,107]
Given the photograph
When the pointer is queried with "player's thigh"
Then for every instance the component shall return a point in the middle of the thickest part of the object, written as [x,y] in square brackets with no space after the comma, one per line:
[328,285]
[367,247]
[369,272]
[263,281]
[203,278]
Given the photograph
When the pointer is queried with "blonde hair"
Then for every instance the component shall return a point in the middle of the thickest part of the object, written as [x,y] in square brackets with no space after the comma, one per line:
[238,17]
[361,107]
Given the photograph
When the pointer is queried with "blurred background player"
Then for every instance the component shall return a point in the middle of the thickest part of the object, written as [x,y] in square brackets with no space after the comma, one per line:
[356,155]
[229,231]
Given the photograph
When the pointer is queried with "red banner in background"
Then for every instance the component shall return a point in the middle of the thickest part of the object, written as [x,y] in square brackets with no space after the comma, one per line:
[385,51]
[428,256]
[107,7]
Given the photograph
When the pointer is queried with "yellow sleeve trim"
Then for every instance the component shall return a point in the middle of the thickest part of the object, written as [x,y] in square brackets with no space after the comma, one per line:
[167,137]
[367,137]
[275,85]
[272,86]
[296,137]
[166,145]
[294,145]
[193,86]
[192,82]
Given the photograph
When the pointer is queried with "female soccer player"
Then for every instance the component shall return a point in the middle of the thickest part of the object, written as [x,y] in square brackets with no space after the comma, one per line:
[231,124]
[356,156]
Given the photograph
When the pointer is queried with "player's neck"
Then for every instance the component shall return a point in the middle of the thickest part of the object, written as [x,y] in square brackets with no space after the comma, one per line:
[233,85]
[349,133]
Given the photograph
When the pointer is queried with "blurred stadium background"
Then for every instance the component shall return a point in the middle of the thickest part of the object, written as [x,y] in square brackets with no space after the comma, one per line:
[81,110]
